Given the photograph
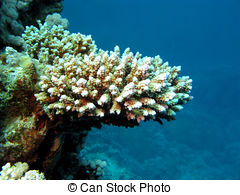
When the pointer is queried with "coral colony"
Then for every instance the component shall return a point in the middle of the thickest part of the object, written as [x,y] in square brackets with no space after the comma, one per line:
[61,79]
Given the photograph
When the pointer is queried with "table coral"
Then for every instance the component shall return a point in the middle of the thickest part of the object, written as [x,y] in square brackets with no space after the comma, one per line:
[106,83]
[90,83]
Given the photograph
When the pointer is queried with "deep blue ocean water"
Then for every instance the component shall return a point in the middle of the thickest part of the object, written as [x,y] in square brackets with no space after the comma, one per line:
[204,38]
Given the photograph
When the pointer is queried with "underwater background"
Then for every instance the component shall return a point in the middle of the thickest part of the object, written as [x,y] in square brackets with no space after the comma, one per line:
[202,37]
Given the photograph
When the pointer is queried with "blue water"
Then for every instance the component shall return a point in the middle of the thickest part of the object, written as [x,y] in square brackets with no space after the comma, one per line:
[202,37]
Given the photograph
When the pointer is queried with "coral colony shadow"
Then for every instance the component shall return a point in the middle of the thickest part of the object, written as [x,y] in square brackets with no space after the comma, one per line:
[60,86]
